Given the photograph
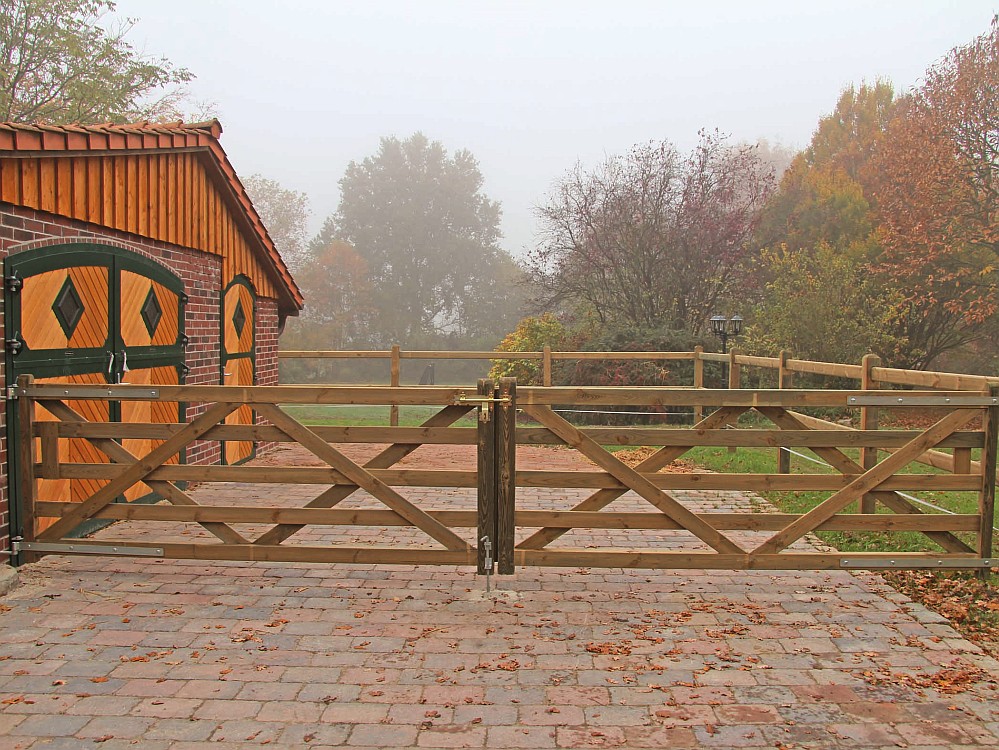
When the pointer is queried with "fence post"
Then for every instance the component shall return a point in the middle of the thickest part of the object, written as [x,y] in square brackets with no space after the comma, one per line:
[869,421]
[486,496]
[27,485]
[394,370]
[785,379]
[987,495]
[506,475]
[734,381]
[546,367]
[698,380]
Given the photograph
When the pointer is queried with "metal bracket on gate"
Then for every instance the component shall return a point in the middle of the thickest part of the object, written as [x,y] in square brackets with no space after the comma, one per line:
[923,401]
[485,403]
[123,393]
[65,548]
[929,562]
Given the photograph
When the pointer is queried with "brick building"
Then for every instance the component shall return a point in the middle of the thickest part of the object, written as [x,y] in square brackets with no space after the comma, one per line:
[132,254]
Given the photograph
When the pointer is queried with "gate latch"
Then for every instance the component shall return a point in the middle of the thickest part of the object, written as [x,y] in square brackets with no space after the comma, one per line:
[485,403]
[487,545]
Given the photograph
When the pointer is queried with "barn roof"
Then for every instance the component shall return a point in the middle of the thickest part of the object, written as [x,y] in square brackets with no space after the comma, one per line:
[113,139]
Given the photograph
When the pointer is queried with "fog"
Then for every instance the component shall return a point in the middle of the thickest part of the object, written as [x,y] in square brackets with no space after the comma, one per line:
[302,88]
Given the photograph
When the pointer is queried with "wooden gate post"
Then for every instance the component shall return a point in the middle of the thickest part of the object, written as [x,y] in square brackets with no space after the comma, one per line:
[506,474]
[546,366]
[987,495]
[784,380]
[394,370]
[27,485]
[698,380]
[734,380]
[869,421]
[485,537]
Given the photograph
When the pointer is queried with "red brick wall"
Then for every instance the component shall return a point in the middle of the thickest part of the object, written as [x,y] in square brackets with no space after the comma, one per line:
[25,229]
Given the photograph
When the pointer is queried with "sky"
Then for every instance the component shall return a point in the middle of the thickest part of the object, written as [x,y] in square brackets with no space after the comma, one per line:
[303,87]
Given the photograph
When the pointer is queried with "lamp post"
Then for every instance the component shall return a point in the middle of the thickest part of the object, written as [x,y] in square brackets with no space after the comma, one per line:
[723,328]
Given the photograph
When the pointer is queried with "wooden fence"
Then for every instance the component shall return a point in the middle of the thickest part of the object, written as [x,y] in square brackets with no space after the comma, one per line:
[507,530]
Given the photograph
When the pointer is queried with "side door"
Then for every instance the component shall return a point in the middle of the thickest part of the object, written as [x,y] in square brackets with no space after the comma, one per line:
[239,324]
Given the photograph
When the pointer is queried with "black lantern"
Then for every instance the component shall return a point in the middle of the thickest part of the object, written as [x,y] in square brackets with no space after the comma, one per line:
[723,328]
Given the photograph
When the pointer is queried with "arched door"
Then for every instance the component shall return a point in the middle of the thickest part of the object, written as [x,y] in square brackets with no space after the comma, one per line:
[239,325]
[92,314]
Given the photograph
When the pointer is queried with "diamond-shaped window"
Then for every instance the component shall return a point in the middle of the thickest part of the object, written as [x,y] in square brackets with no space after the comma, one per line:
[68,307]
[239,318]
[151,311]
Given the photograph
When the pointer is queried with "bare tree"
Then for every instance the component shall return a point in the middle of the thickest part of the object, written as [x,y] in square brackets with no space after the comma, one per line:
[651,238]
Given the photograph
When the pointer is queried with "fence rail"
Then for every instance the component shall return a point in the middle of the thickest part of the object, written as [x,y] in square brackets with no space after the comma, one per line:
[870,369]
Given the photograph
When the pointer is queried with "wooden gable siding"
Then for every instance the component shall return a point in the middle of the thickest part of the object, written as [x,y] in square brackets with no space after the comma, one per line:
[162,196]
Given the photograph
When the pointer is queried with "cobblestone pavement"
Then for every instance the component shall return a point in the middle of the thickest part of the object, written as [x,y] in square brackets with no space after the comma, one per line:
[113,653]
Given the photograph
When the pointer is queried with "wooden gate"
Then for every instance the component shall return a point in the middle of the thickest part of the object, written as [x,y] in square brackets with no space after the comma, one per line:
[665,530]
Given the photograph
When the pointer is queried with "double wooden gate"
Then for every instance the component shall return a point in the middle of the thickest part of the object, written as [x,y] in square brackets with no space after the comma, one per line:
[490,512]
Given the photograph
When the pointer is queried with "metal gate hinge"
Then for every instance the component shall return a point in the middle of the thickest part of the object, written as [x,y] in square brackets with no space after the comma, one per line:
[13,283]
[12,392]
[14,345]
[86,549]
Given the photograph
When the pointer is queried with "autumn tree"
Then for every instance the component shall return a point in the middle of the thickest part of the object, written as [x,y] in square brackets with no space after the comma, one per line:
[285,214]
[65,61]
[938,190]
[652,238]
[430,237]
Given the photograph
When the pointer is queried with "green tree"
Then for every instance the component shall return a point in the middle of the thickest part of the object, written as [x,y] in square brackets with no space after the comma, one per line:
[823,304]
[418,217]
[61,62]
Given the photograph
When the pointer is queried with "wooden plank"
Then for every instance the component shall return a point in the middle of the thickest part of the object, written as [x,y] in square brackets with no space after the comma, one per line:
[928,379]
[388,457]
[752,361]
[394,375]
[546,367]
[525,478]
[119,454]
[962,460]
[48,435]
[698,379]
[373,555]
[987,494]
[869,421]
[359,476]
[575,558]
[506,475]
[864,483]
[137,471]
[533,435]
[832,369]
[486,487]
[642,486]
[785,380]
[527,518]
[604,497]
